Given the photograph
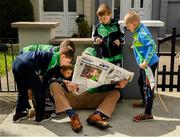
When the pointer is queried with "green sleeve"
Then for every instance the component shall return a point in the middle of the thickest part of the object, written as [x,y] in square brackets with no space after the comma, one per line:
[37,48]
[30,48]
[103,88]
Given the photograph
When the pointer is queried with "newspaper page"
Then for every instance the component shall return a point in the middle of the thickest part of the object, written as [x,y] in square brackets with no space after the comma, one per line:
[91,72]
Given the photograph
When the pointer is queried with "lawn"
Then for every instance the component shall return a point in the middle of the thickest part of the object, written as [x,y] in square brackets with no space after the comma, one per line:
[2,63]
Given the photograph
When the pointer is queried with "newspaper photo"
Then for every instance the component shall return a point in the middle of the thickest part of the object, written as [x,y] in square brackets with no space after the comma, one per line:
[91,72]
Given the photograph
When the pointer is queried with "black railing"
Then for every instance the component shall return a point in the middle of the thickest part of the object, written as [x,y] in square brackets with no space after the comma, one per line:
[172,84]
[8,53]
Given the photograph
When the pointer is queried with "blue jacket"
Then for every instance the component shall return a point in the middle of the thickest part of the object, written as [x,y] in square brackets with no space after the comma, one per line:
[146,46]
[39,61]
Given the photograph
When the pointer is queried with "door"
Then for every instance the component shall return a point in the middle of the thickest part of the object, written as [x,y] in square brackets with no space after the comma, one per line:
[62,11]
[144,7]
[173,19]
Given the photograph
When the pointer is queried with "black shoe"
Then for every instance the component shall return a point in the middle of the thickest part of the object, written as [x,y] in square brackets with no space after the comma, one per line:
[20,116]
[39,120]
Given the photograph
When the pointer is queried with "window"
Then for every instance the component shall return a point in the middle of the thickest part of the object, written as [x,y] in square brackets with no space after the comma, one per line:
[72,5]
[53,5]
[141,3]
[132,3]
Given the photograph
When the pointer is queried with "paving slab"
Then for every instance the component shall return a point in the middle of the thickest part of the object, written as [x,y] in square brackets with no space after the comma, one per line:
[7,104]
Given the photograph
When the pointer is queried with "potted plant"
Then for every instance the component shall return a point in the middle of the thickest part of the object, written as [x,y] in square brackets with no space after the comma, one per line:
[83,27]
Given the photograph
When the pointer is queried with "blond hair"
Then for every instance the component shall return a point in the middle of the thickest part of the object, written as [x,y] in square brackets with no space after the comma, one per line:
[103,10]
[132,16]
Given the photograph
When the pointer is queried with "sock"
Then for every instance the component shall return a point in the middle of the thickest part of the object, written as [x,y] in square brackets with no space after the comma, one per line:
[70,112]
[101,114]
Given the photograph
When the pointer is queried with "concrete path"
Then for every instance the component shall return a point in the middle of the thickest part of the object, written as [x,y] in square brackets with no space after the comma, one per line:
[165,123]
[7,104]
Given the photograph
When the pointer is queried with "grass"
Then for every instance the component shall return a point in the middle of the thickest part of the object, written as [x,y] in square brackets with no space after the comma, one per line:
[2,63]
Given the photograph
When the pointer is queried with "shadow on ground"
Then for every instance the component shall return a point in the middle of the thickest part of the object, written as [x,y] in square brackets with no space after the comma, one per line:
[164,123]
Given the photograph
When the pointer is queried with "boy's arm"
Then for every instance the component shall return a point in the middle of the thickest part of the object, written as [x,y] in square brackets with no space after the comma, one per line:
[59,80]
[52,74]
[103,88]
[119,40]
[114,86]
[96,46]
[30,48]
[37,47]
[95,34]
[121,34]
[149,43]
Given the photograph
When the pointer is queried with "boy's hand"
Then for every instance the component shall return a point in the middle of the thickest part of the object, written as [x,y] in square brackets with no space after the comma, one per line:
[71,86]
[117,42]
[131,47]
[143,65]
[66,82]
[98,40]
[121,84]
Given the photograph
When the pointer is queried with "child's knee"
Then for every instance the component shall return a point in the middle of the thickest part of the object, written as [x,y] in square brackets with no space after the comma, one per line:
[116,94]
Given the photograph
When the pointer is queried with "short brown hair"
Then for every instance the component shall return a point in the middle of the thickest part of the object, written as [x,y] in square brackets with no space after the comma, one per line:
[66,43]
[68,52]
[103,10]
[132,16]
[67,67]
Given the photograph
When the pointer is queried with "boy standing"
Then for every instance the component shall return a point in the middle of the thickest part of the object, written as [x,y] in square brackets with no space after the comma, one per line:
[108,37]
[25,69]
[144,49]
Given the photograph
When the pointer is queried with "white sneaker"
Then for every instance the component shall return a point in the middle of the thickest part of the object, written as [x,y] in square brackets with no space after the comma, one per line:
[61,114]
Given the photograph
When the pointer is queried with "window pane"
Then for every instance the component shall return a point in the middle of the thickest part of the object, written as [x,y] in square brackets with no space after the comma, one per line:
[132,3]
[141,4]
[53,5]
[72,5]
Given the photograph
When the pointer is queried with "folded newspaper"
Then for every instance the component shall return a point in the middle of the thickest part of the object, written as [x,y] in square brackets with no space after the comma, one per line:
[91,72]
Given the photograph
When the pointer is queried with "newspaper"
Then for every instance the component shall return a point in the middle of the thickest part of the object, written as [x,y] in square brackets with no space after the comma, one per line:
[91,72]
